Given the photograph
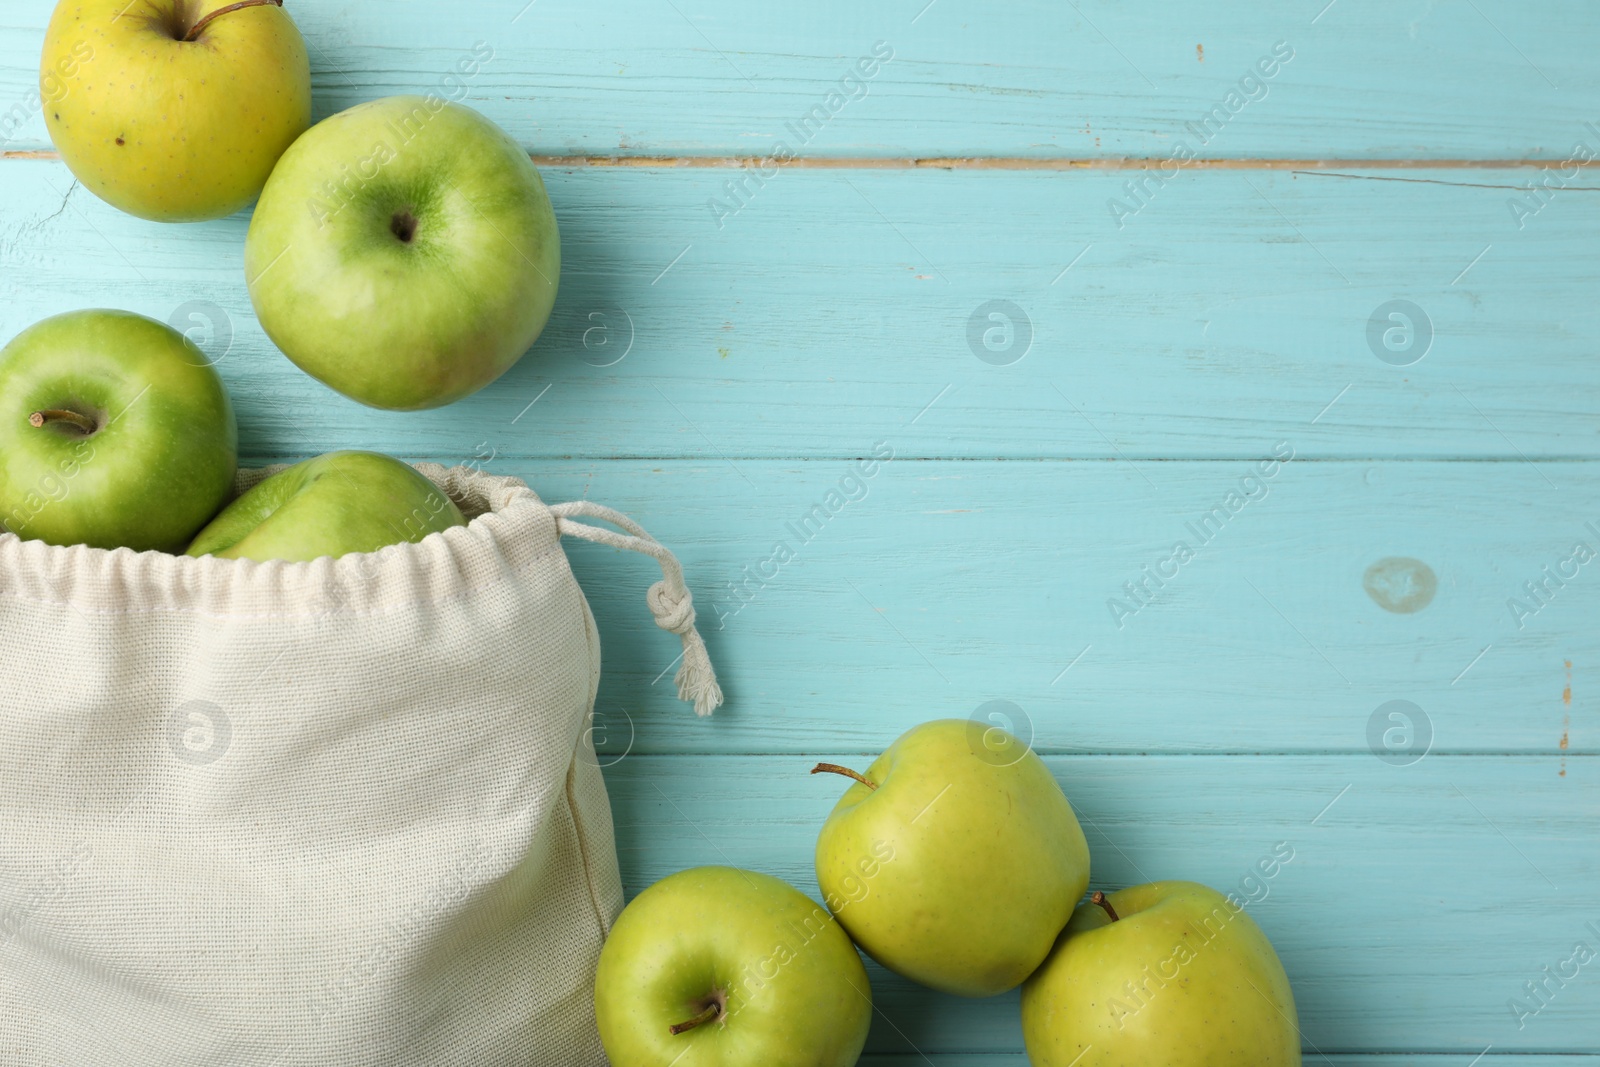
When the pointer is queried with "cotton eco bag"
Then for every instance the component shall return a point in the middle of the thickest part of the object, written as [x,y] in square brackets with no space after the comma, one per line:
[344,813]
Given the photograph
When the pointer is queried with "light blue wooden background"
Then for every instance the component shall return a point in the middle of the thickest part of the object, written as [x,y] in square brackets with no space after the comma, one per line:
[716,381]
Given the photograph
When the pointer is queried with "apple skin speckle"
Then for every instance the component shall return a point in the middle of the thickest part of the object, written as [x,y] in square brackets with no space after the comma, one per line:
[129,80]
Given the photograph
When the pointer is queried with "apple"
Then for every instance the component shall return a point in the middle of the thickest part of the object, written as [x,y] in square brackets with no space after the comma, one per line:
[115,432]
[333,505]
[404,253]
[174,110]
[955,860]
[1172,973]
[718,967]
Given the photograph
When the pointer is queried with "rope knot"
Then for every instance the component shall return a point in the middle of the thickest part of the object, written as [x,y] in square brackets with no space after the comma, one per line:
[669,599]
[673,609]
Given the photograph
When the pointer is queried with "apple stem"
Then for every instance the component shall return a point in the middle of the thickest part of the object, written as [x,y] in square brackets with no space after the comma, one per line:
[834,768]
[200,27]
[1100,899]
[711,1011]
[82,422]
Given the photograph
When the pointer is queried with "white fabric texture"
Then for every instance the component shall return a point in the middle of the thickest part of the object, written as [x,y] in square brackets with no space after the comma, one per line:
[338,813]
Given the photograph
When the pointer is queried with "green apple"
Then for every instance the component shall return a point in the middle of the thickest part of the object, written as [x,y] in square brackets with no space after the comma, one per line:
[115,432]
[404,253]
[955,860]
[174,110]
[1171,973]
[329,506]
[718,967]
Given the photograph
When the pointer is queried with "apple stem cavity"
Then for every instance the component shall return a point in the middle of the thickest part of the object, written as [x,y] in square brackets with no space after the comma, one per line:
[834,768]
[40,419]
[404,226]
[1103,901]
[711,1011]
[200,27]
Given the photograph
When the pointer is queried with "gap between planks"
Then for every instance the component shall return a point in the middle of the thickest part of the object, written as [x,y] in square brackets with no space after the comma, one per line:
[988,163]
[268,459]
[1057,753]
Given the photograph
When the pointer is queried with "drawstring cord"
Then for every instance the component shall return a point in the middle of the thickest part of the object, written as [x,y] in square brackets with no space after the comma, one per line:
[670,600]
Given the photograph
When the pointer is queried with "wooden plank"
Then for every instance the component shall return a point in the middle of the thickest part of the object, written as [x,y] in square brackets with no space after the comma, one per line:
[945,585]
[1179,333]
[1418,902]
[839,308]
[1313,1059]
[1034,78]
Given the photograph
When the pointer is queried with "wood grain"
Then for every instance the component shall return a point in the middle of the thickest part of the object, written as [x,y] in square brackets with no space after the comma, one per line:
[1418,901]
[1414,79]
[1335,1059]
[720,361]
[945,585]
[1230,314]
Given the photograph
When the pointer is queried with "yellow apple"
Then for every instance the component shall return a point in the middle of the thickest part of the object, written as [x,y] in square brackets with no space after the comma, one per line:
[1170,973]
[174,110]
[955,860]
